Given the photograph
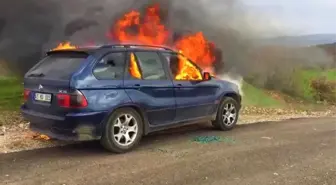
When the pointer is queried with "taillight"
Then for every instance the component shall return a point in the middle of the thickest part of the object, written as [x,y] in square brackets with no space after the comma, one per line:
[26,94]
[76,100]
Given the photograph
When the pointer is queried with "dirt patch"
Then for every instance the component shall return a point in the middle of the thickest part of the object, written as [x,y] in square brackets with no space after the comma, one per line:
[17,137]
[10,119]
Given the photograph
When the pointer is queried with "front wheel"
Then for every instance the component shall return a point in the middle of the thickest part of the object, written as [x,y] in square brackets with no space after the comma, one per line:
[227,114]
[123,131]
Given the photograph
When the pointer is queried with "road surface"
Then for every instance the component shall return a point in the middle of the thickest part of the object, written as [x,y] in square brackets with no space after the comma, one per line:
[296,152]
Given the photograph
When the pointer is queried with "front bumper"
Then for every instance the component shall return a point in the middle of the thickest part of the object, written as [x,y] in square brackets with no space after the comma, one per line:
[74,127]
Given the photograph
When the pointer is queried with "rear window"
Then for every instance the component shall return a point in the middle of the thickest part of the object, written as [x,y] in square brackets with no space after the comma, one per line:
[58,66]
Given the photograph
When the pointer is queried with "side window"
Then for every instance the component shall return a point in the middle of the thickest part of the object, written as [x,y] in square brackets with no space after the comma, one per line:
[111,67]
[182,68]
[147,66]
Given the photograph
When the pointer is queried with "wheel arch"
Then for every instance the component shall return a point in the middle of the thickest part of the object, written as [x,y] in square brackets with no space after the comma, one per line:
[236,96]
[135,107]
[231,94]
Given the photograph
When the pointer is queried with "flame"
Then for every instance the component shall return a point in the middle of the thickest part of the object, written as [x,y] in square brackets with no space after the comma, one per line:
[44,137]
[198,49]
[186,70]
[149,31]
[134,68]
[65,46]
[37,136]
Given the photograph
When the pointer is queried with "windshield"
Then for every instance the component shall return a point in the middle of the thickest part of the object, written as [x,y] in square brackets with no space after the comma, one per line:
[58,66]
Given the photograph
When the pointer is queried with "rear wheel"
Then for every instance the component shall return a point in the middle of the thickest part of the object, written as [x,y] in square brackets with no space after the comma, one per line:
[227,114]
[123,131]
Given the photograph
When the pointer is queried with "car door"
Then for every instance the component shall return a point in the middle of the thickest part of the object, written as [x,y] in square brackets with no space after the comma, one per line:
[194,98]
[149,86]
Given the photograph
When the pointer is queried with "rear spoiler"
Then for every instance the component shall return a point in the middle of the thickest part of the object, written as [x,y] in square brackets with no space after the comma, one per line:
[67,51]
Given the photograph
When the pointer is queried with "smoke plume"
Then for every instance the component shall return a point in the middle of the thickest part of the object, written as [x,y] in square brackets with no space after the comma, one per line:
[27,28]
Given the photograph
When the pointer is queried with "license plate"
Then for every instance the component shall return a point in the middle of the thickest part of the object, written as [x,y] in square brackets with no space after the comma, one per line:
[43,97]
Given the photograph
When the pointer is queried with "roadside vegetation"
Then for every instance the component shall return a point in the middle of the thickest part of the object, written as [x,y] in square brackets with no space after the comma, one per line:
[308,86]
[11,92]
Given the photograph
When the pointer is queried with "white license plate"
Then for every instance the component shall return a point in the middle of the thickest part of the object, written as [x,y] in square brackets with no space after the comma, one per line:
[43,97]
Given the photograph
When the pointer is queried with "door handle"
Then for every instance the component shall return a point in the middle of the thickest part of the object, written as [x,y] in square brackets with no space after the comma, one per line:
[179,85]
[137,86]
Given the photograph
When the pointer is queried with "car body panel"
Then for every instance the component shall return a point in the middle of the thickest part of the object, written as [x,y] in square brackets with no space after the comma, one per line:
[155,97]
[195,99]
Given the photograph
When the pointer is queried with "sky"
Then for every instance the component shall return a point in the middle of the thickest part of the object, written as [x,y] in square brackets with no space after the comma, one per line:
[299,16]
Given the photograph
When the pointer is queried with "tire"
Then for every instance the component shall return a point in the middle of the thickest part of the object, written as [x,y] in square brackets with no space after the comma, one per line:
[117,128]
[227,121]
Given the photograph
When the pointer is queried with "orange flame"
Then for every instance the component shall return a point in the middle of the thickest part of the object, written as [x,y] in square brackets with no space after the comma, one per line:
[37,136]
[150,31]
[197,48]
[65,46]
[134,69]
[187,71]
[44,137]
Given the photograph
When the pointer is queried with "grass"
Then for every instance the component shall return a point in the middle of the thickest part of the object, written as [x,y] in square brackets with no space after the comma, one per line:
[11,90]
[303,93]
[258,97]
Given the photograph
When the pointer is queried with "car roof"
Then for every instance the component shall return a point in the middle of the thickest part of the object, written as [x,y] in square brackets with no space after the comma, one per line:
[113,47]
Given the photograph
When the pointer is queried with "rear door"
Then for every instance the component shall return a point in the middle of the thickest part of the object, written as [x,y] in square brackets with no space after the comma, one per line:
[194,98]
[149,85]
[49,77]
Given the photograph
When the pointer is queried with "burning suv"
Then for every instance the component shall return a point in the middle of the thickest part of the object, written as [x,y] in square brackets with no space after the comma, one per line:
[119,93]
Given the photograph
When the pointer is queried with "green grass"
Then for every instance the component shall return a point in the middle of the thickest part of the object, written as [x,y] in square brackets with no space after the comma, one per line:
[258,97]
[11,91]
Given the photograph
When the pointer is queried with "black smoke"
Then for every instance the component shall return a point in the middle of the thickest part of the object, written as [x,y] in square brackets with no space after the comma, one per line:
[25,26]
[29,27]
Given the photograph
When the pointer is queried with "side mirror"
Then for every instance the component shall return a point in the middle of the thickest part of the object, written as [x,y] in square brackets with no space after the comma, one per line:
[206,76]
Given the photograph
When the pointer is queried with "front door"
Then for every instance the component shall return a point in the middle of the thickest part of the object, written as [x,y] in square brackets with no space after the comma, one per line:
[194,98]
[149,86]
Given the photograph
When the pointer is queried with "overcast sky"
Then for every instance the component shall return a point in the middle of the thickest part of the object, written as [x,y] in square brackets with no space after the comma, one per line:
[302,16]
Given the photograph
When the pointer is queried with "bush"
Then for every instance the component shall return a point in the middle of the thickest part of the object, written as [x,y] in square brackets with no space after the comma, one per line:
[324,90]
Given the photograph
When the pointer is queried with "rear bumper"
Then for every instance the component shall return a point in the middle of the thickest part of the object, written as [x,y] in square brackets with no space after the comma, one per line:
[74,127]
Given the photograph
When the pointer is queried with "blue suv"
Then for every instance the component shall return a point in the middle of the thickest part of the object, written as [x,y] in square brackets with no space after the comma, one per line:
[119,93]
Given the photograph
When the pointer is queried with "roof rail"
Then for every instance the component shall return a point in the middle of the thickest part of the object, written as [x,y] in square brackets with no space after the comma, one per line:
[136,45]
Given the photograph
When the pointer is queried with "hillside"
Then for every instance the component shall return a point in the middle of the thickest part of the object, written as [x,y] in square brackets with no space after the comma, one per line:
[302,40]
[330,49]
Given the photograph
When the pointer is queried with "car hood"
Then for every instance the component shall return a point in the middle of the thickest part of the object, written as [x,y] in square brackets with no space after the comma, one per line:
[229,85]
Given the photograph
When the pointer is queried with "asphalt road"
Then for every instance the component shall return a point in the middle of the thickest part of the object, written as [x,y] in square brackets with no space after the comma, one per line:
[294,152]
